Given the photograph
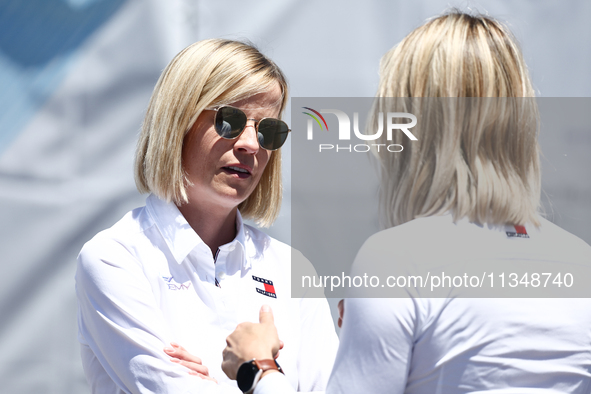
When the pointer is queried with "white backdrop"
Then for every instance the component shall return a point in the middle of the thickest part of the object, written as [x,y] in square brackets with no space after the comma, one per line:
[75,79]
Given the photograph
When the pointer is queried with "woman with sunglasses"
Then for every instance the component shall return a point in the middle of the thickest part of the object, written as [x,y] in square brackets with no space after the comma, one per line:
[185,268]
[463,196]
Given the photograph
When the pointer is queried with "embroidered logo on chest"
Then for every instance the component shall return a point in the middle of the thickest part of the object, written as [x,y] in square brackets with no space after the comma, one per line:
[174,285]
[265,287]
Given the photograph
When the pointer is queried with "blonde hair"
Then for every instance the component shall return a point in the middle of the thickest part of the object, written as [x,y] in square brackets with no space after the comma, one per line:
[205,74]
[477,154]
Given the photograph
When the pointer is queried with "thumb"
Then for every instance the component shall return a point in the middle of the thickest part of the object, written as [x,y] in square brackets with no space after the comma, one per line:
[266,315]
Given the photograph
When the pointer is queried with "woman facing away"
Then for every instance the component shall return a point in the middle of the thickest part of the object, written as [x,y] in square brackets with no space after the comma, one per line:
[185,268]
[465,194]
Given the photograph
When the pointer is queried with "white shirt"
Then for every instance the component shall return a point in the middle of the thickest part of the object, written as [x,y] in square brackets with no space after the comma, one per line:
[150,280]
[465,345]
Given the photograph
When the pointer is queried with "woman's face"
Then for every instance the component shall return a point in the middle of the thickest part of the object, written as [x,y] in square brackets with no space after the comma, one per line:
[225,172]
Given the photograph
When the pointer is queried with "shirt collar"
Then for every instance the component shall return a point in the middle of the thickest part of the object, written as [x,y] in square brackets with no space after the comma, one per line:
[179,236]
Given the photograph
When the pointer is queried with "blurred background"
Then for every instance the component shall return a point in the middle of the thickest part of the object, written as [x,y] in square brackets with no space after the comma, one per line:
[75,80]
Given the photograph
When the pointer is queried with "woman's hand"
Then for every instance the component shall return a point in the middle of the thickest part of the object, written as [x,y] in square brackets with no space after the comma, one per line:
[181,356]
[251,340]
[341,307]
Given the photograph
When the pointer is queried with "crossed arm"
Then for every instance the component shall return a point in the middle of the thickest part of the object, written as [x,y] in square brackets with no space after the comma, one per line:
[249,341]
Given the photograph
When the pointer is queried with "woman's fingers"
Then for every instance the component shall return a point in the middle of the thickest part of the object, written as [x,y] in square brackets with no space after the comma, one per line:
[181,356]
[177,351]
[194,367]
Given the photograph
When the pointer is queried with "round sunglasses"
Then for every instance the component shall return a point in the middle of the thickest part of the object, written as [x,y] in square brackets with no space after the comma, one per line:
[230,122]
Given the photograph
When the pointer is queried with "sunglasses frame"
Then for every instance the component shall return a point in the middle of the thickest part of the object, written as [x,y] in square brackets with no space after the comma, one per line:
[256,124]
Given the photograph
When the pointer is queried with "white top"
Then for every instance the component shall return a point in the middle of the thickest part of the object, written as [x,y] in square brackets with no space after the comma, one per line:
[150,280]
[463,345]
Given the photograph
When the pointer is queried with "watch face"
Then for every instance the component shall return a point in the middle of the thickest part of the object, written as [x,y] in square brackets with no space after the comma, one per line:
[246,375]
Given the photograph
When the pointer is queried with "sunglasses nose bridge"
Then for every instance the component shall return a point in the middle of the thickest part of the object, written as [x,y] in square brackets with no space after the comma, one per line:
[248,139]
[251,123]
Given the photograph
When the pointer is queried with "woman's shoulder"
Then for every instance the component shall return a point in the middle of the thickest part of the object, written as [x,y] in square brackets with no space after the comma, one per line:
[133,222]
[117,261]
[552,239]
[550,229]
[125,236]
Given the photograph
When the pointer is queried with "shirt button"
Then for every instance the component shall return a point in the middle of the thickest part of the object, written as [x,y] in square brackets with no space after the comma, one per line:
[231,248]
[221,275]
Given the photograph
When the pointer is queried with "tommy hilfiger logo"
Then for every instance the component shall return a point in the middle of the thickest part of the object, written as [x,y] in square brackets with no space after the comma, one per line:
[516,231]
[268,288]
[173,285]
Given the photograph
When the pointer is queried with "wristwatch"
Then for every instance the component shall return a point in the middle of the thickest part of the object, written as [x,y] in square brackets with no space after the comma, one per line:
[250,372]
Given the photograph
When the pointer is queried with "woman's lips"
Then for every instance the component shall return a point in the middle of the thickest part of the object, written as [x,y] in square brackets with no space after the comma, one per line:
[240,172]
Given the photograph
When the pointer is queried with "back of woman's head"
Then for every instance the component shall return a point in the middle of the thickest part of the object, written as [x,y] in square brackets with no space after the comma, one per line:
[456,55]
[476,153]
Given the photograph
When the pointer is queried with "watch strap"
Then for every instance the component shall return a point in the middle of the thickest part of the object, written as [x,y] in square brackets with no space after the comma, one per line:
[267,364]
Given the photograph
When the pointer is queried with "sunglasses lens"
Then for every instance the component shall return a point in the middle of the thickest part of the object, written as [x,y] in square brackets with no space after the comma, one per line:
[272,133]
[229,122]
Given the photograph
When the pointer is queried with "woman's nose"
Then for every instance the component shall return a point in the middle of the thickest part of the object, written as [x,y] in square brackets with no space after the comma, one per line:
[248,141]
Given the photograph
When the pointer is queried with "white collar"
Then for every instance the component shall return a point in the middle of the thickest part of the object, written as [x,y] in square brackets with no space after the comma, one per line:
[179,236]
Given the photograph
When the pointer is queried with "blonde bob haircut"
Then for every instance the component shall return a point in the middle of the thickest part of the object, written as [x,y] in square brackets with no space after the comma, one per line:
[205,74]
[476,153]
